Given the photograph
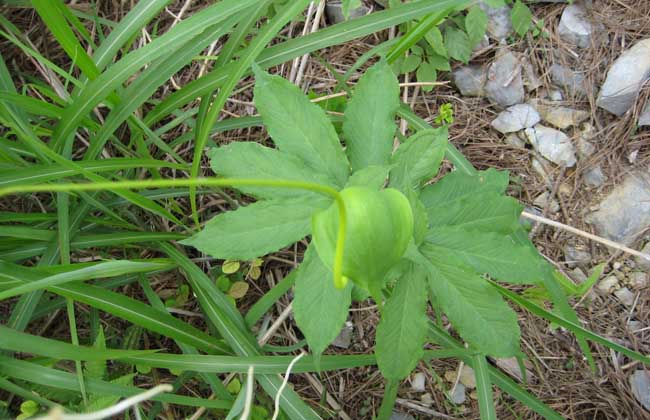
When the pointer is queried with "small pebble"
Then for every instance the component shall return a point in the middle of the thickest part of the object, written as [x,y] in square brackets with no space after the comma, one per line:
[418,382]
[626,296]
[606,285]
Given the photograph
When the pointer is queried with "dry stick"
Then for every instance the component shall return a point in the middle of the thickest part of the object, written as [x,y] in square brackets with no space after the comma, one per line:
[314,28]
[296,61]
[587,235]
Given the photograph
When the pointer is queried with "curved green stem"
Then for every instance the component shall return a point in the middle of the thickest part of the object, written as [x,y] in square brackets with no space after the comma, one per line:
[339,280]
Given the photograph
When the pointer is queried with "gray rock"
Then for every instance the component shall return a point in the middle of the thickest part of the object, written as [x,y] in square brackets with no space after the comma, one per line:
[513,140]
[531,79]
[561,116]
[640,384]
[638,280]
[642,262]
[417,382]
[512,368]
[576,256]
[544,200]
[626,296]
[574,26]
[606,285]
[573,82]
[625,212]
[554,145]
[467,377]
[344,339]
[644,118]
[578,275]
[334,12]
[540,165]
[516,118]
[458,394]
[505,85]
[625,79]
[594,177]
[499,21]
[556,95]
[470,80]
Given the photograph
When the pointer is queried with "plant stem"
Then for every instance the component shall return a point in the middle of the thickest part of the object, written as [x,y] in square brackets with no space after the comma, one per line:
[388,402]
[339,280]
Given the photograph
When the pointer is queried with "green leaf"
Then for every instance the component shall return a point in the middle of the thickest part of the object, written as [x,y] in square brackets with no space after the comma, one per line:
[17,341]
[522,18]
[252,160]
[418,158]
[369,121]
[486,252]
[257,229]
[381,218]
[100,270]
[402,331]
[97,369]
[319,307]
[458,185]
[479,314]
[458,44]
[484,388]
[476,24]
[434,38]
[426,73]
[486,212]
[300,127]
[410,64]
[371,176]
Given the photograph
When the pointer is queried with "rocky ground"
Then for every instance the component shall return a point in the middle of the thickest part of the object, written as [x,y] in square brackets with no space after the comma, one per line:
[568,113]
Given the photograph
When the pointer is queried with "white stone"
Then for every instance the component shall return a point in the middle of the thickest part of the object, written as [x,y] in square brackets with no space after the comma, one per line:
[499,24]
[516,118]
[470,80]
[640,384]
[594,177]
[562,117]
[334,12]
[573,81]
[644,118]
[625,79]
[554,145]
[606,285]
[344,339]
[625,212]
[418,382]
[638,280]
[542,201]
[458,394]
[467,377]
[574,26]
[625,295]
[505,85]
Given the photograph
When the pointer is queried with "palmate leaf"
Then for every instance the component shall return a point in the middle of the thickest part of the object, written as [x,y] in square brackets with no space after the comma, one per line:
[402,331]
[252,160]
[418,159]
[257,229]
[485,212]
[300,127]
[474,308]
[319,307]
[458,185]
[486,252]
[369,121]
